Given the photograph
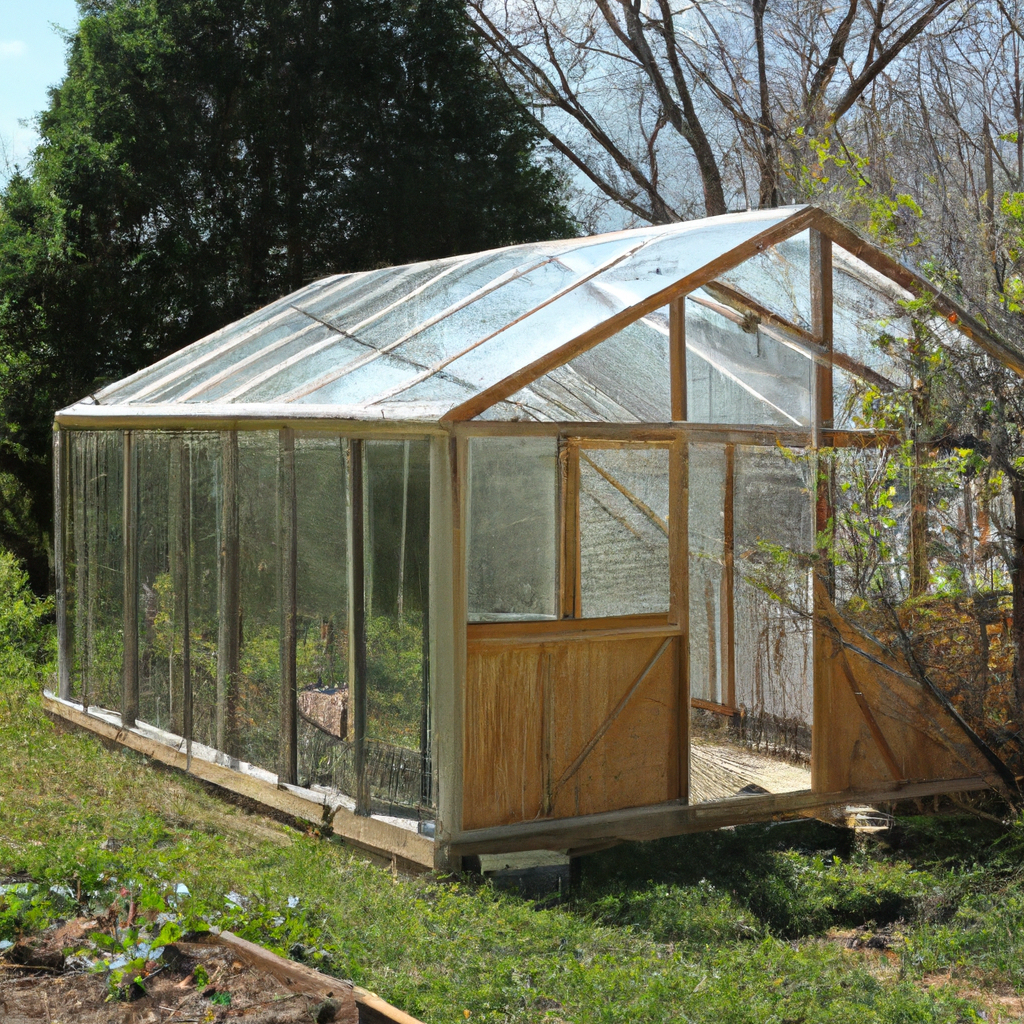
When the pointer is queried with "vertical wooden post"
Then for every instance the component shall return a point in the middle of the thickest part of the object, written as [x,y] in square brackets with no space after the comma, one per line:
[678,537]
[79,478]
[728,616]
[176,557]
[287,533]
[357,623]
[95,512]
[401,542]
[60,533]
[677,356]
[183,542]
[129,538]
[822,416]
[448,484]
[228,610]
[822,411]
[571,596]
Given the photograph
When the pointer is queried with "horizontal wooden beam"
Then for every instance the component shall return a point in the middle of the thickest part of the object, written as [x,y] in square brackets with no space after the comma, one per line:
[671,819]
[709,705]
[654,433]
[351,421]
[543,630]
[371,834]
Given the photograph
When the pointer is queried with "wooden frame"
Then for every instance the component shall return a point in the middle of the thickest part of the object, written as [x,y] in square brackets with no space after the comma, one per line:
[674,818]
[357,622]
[129,537]
[288,551]
[228,601]
[448,595]
[728,612]
[677,357]
[371,834]
[181,479]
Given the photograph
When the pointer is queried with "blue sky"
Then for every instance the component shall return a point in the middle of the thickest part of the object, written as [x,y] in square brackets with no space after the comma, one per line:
[31,59]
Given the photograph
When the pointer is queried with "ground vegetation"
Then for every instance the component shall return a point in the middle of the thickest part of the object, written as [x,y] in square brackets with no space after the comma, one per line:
[798,922]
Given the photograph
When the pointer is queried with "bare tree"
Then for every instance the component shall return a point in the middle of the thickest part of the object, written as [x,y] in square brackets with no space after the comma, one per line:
[670,110]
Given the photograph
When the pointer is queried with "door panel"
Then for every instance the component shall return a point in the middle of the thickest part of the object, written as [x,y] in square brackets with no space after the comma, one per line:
[563,726]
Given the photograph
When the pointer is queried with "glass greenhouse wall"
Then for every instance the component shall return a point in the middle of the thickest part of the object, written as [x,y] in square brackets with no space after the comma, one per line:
[550,546]
[209,599]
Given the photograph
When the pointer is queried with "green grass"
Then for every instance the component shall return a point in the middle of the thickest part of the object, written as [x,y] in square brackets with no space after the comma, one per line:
[723,927]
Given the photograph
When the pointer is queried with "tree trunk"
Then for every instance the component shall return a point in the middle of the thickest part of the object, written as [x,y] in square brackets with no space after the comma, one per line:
[769,190]
[1017,578]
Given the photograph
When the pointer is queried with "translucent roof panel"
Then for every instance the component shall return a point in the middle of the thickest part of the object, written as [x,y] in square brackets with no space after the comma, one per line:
[622,380]
[743,376]
[434,335]
[779,278]
[573,330]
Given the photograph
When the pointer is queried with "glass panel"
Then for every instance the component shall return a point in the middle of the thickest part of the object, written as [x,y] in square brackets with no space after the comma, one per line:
[97,485]
[624,379]
[473,323]
[156,596]
[867,314]
[436,389]
[397,535]
[733,376]
[872,510]
[325,755]
[291,380]
[774,523]
[275,333]
[707,470]
[563,395]
[259,686]
[511,508]
[205,499]
[778,278]
[487,272]
[624,560]
[365,383]
[383,288]
[301,345]
[127,390]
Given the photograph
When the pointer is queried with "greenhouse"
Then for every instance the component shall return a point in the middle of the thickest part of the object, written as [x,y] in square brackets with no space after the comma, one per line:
[534,548]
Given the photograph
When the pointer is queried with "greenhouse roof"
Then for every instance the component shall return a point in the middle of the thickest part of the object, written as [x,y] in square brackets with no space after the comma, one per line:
[516,333]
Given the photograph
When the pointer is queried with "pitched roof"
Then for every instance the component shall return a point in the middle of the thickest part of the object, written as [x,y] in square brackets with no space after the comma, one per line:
[566,330]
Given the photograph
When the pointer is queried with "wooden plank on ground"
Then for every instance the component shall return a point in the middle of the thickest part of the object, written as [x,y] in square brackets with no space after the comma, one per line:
[371,1009]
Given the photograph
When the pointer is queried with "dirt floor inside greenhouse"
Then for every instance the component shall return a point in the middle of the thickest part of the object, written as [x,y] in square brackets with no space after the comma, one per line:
[197,982]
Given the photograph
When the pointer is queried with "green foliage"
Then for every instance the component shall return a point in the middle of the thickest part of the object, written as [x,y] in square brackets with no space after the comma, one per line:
[394,683]
[27,642]
[833,176]
[202,158]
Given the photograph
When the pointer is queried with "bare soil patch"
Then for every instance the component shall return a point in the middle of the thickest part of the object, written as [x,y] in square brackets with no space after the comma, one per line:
[197,982]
